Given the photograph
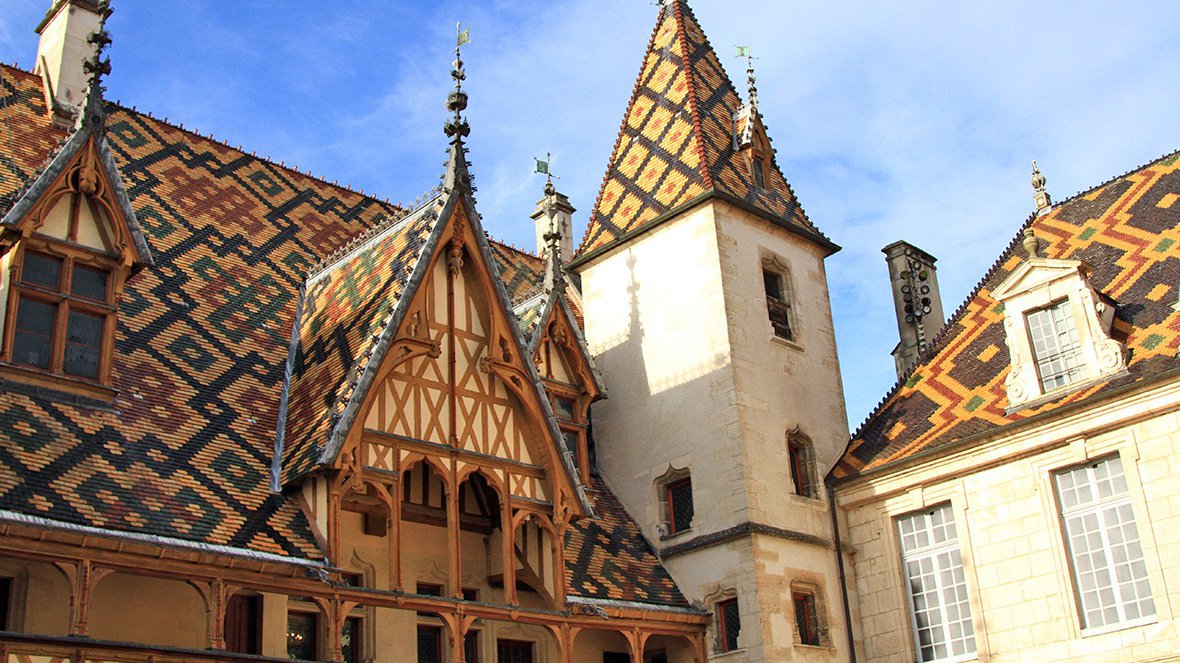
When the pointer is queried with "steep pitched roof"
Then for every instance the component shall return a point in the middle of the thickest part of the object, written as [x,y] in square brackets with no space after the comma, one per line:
[344,309]
[185,450]
[1128,229]
[607,557]
[676,145]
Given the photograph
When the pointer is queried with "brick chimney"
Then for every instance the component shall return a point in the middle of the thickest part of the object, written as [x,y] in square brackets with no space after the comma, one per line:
[916,301]
[60,54]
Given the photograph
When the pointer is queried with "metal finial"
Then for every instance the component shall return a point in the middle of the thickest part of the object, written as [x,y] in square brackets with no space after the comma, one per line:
[97,66]
[744,52]
[1040,196]
[457,128]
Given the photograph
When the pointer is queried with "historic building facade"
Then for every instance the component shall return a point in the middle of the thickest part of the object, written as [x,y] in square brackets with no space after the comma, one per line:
[249,415]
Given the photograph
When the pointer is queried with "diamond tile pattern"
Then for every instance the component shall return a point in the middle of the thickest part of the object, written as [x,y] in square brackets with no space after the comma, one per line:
[608,558]
[200,346]
[1126,229]
[676,142]
[346,307]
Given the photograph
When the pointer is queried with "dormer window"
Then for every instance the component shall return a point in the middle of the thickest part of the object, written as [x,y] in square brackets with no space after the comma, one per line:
[759,168]
[1055,345]
[67,246]
[64,313]
[1058,330]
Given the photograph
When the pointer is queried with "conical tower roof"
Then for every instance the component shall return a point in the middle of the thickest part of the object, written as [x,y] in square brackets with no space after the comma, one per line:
[677,145]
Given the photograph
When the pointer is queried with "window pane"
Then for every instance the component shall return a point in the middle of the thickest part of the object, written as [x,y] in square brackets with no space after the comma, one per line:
[471,646]
[730,624]
[41,270]
[1103,542]
[571,442]
[680,507]
[90,283]
[83,344]
[805,619]
[937,585]
[564,409]
[350,640]
[33,341]
[514,651]
[1056,346]
[301,636]
[430,644]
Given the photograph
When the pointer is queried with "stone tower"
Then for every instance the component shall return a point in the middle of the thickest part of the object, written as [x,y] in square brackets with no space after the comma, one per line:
[706,303]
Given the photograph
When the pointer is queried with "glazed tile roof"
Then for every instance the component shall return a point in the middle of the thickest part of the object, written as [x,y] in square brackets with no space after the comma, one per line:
[676,143]
[607,557]
[1128,230]
[345,308]
[186,448]
[522,272]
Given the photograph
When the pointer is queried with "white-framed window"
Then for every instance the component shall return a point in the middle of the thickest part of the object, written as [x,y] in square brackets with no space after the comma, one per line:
[1056,347]
[939,609]
[1109,573]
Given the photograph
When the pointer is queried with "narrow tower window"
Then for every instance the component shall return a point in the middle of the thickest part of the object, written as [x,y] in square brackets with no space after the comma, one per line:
[778,306]
[679,503]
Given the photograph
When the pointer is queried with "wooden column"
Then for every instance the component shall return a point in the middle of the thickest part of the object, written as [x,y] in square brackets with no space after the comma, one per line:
[509,554]
[453,533]
[83,577]
[635,640]
[457,626]
[333,523]
[700,648]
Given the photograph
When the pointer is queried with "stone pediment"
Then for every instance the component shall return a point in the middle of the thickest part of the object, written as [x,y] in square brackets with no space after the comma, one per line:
[1037,273]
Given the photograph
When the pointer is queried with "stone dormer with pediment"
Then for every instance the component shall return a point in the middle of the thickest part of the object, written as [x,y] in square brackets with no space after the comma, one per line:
[1058,328]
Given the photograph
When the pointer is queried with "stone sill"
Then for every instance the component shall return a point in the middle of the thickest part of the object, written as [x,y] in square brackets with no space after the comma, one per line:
[775,338]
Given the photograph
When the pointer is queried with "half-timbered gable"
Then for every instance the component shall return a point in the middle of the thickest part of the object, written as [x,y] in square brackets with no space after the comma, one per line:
[567,370]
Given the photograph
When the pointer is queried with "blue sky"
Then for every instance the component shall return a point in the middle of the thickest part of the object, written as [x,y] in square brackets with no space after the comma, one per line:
[901,120]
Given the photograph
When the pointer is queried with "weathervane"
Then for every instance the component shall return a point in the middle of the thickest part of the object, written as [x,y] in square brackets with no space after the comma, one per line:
[744,52]
[457,128]
[545,168]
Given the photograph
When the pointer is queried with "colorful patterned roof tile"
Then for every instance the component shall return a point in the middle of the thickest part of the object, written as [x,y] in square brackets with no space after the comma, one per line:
[607,557]
[677,145]
[186,448]
[1127,229]
[345,309]
[522,272]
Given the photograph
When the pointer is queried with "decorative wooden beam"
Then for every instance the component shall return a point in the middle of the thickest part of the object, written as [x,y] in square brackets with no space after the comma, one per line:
[83,576]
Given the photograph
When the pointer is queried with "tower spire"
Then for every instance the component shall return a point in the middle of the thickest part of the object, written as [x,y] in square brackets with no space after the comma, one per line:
[744,52]
[456,128]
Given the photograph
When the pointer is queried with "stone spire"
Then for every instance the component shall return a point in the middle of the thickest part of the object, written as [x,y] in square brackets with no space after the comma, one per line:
[1040,196]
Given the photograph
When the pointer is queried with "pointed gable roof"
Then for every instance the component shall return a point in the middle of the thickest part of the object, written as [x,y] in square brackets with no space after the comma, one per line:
[90,134]
[343,315]
[1128,230]
[676,146]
